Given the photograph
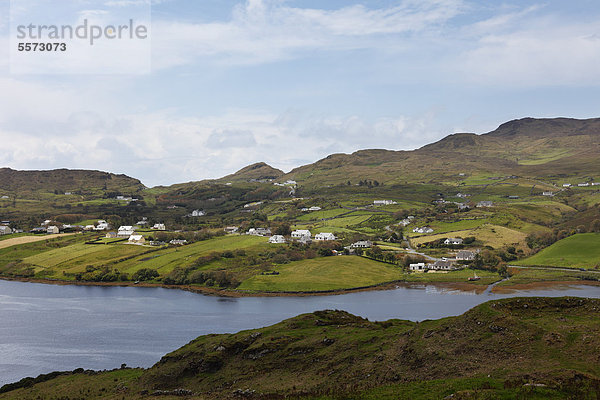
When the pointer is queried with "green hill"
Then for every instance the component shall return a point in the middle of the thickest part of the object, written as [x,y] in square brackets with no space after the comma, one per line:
[534,348]
[526,147]
[66,180]
[577,251]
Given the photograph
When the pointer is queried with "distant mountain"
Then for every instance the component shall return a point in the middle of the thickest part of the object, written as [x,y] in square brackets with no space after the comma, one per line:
[66,180]
[527,147]
[258,171]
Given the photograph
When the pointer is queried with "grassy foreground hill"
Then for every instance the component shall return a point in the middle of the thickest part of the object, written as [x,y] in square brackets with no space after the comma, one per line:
[534,348]
[578,251]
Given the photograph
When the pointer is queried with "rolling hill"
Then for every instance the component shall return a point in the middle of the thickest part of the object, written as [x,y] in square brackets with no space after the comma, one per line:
[535,348]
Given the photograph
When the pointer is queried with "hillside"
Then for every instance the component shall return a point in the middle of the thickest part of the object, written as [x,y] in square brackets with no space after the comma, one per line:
[526,147]
[258,172]
[65,180]
[512,348]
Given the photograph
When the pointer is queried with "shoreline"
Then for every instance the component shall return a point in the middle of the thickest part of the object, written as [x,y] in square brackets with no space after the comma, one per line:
[460,286]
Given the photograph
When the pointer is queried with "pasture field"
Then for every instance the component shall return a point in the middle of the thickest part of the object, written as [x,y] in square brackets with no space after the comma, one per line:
[165,260]
[490,235]
[74,259]
[326,273]
[14,241]
[577,251]
[530,275]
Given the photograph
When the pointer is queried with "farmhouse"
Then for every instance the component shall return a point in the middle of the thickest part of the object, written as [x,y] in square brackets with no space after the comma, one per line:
[361,244]
[159,227]
[485,203]
[259,231]
[314,208]
[53,230]
[197,213]
[465,255]
[423,229]
[566,185]
[89,228]
[325,236]
[583,184]
[299,233]
[231,229]
[441,265]
[547,194]
[111,235]
[383,202]
[277,239]
[137,239]
[416,267]
[178,242]
[101,226]
[5,230]
[125,231]
[453,241]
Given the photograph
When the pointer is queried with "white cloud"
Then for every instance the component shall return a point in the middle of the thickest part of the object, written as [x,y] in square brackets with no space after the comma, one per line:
[263,31]
[163,147]
[541,51]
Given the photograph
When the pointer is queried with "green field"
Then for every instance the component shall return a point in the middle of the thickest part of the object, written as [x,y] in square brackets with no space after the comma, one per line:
[165,260]
[577,251]
[326,273]
[75,258]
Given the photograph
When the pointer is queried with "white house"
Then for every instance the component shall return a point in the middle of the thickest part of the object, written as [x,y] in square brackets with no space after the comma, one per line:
[298,233]
[383,202]
[125,231]
[137,239]
[485,203]
[101,226]
[583,184]
[277,239]
[465,255]
[442,265]
[325,236]
[159,227]
[259,231]
[453,241]
[231,229]
[423,229]
[178,242]
[314,208]
[363,244]
[547,194]
[416,267]
[89,228]
[566,185]
[5,230]
[53,230]
[197,213]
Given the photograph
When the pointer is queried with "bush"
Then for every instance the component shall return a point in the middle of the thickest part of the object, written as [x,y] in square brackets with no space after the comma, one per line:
[145,274]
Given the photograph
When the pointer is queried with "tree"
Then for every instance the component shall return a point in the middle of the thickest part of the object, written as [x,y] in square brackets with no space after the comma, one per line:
[595,227]
[145,274]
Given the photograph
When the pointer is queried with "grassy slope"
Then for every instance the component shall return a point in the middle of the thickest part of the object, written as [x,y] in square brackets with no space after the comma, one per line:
[489,352]
[491,235]
[577,251]
[326,273]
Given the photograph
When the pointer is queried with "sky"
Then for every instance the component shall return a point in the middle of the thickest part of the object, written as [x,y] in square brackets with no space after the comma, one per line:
[233,82]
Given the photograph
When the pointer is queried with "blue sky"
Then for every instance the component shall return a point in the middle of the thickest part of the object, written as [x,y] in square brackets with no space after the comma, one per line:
[289,82]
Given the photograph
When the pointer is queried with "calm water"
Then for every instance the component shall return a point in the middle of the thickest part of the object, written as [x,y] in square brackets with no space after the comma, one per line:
[45,328]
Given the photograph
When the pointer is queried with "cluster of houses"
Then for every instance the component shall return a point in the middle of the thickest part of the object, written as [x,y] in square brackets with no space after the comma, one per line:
[384,202]
[423,229]
[313,208]
[585,184]
[303,236]
[445,264]
[126,198]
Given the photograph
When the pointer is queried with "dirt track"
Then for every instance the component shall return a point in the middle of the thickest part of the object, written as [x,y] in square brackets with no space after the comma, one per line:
[29,239]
